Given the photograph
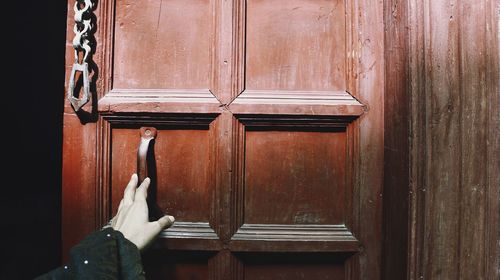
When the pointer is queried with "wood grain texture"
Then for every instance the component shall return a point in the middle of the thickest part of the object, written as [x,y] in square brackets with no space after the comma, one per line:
[454,84]
[339,103]
[301,172]
[492,252]
[474,117]
[294,238]
[396,142]
[79,182]
[297,232]
[443,188]
[366,83]
[159,100]
[174,58]
[295,45]
[417,132]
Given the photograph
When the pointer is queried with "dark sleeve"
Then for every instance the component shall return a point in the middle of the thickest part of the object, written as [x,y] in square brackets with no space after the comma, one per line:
[104,254]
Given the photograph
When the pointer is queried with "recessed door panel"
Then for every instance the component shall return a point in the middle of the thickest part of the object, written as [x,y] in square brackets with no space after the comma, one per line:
[176,265]
[162,44]
[179,167]
[293,266]
[295,177]
[296,45]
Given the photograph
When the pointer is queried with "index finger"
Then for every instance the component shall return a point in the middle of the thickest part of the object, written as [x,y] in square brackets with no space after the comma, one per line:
[129,193]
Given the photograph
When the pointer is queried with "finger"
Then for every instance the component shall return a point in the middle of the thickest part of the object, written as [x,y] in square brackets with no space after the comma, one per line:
[120,205]
[166,222]
[129,193]
[142,190]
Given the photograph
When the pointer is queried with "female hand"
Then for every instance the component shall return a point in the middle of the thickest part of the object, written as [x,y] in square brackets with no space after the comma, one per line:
[132,217]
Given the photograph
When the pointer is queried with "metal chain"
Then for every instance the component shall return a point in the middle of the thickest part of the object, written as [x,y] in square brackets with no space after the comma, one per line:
[83,24]
[82,27]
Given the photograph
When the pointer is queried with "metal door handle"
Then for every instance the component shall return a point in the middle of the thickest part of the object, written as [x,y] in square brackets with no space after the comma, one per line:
[78,103]
[147,134]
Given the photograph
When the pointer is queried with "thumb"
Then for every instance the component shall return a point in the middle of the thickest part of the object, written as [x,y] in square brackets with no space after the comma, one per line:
[166,221]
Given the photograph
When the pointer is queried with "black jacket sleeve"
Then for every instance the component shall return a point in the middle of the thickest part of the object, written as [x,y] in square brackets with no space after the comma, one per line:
[104,254]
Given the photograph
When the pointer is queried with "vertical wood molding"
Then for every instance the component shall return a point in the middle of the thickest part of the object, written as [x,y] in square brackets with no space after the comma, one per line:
[104,47]
[239,48]
[238,170]
[492,45]
[366,83]
[79,210]
[453,84]
[474,114]
[417,139]
[443,100]
[396,146]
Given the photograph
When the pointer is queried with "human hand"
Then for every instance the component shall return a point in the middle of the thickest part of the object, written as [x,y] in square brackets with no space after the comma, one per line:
[132,217]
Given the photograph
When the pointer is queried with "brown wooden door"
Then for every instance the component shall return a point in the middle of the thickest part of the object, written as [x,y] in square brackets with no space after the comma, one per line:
[270,134]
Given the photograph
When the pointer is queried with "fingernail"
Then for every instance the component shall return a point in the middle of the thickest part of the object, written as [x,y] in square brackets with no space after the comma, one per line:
[171,218]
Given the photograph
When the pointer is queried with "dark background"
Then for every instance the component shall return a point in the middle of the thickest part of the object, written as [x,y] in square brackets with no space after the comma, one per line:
[32,109]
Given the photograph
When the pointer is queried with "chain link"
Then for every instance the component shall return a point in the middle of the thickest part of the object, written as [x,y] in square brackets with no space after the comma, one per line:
[81,43]
[83,24]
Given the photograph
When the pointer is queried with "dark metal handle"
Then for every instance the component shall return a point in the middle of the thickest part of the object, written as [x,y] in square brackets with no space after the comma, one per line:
[147,134]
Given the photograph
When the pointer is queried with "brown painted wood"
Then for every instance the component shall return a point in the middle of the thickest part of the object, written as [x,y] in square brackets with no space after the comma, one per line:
[270,129]
[176,265]
[474,116]
[295,45]
[306,184]
[366,83]
[453,65]
[396,142]
[159,100]
[149,53]
[492,205]
[79,182]
[293,267]
[338,103]
[225,81]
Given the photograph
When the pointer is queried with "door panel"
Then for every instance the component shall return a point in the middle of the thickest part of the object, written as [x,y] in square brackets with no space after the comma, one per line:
[182,171]
[293,266]
[264,110]
[162,44]
[302,172]
[295,45]
[176,265]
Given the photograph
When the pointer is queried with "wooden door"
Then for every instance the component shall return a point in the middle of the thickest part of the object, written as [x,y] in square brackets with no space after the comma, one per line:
[269,150]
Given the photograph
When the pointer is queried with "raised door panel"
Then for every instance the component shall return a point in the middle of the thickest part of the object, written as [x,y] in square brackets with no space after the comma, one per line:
[296,45]
[163,44]
[182,170]
[295,59]
[293,191]
[181,165]
[160,57]
[295,177]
